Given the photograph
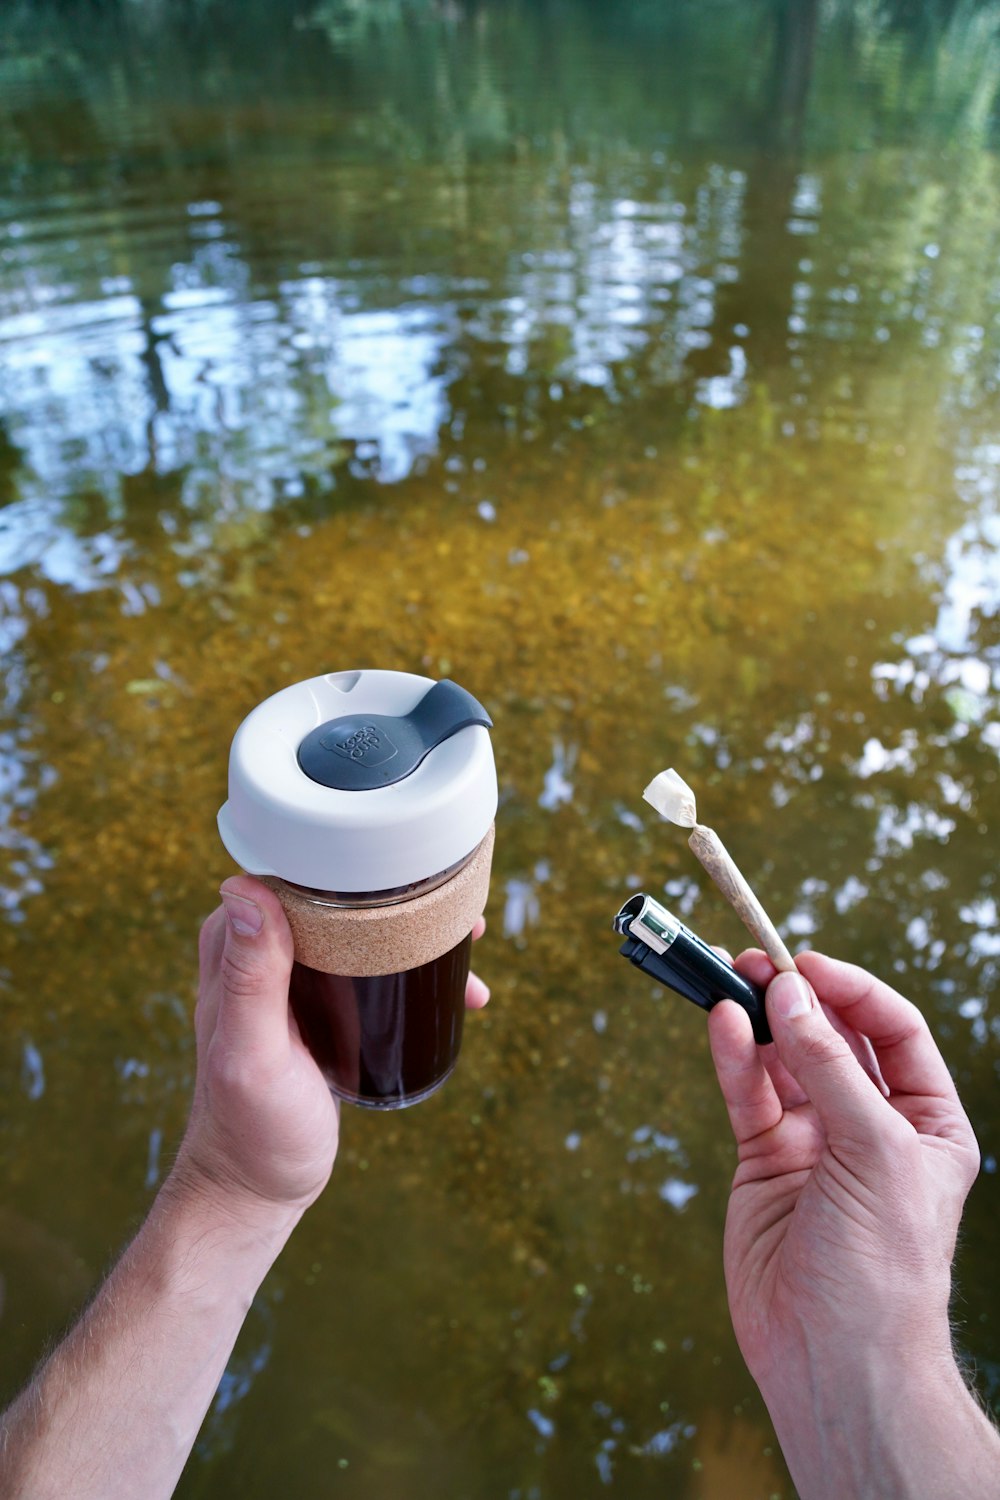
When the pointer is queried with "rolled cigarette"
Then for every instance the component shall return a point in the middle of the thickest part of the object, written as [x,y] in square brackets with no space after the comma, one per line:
[713,854]
[673,799]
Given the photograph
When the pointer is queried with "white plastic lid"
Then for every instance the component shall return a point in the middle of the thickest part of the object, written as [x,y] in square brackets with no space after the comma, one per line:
[279,821]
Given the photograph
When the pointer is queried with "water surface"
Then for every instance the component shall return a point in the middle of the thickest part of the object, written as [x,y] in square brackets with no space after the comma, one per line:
[642,376]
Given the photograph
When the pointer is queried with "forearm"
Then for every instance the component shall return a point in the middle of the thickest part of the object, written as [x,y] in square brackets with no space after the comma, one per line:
[114,1412]
[867,1428]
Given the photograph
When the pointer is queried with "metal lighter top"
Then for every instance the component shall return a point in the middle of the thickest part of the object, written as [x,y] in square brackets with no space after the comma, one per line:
[661,946]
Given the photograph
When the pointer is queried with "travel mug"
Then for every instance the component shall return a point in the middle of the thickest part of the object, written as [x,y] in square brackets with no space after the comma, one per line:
[366,800]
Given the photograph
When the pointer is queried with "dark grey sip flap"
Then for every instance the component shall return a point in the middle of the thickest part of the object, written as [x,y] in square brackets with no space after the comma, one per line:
[360,752]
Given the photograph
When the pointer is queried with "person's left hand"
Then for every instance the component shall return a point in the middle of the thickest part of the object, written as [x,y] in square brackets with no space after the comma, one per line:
[264,1126]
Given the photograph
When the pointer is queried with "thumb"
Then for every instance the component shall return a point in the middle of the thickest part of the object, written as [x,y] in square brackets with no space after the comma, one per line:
[256,964]
[852,1111]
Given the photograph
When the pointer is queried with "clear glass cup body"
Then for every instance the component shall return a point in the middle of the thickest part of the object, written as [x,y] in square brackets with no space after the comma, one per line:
[389,1040]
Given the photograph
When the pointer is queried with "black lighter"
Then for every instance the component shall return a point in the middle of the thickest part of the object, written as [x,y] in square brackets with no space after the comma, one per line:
[662,947]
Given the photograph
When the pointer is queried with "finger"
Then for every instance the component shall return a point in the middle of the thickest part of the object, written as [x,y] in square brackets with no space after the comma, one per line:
[856,1118]
[255,967]
[789,1091]
[860,1046]
[478,929]
[755,965]
[907,1053]
[211,941]
[723,953]
[751,1100]
[477,993]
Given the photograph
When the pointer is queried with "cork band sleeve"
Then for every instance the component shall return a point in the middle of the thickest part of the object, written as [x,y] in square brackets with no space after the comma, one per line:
[371,940]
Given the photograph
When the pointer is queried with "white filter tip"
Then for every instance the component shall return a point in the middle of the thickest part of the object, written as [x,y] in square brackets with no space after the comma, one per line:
[672,798]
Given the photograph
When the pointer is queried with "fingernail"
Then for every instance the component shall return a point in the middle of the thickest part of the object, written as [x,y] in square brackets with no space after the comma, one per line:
[790,996]
[244,916]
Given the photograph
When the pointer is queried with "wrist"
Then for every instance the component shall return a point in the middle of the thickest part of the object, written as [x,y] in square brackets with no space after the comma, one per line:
[211,1210]
[202,1178]
[207,1249]
[894,1422]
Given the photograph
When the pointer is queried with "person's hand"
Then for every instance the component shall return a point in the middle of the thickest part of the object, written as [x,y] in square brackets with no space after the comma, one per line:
[845,1205]
[844,1209]
[264,1125]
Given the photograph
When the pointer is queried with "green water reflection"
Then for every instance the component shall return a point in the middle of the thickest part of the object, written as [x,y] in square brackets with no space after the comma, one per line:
[639,371]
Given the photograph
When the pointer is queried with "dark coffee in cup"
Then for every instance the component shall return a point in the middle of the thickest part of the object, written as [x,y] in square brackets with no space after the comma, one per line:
[388,1039]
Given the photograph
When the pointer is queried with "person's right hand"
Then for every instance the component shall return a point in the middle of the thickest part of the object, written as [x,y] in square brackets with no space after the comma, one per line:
[845,1206]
